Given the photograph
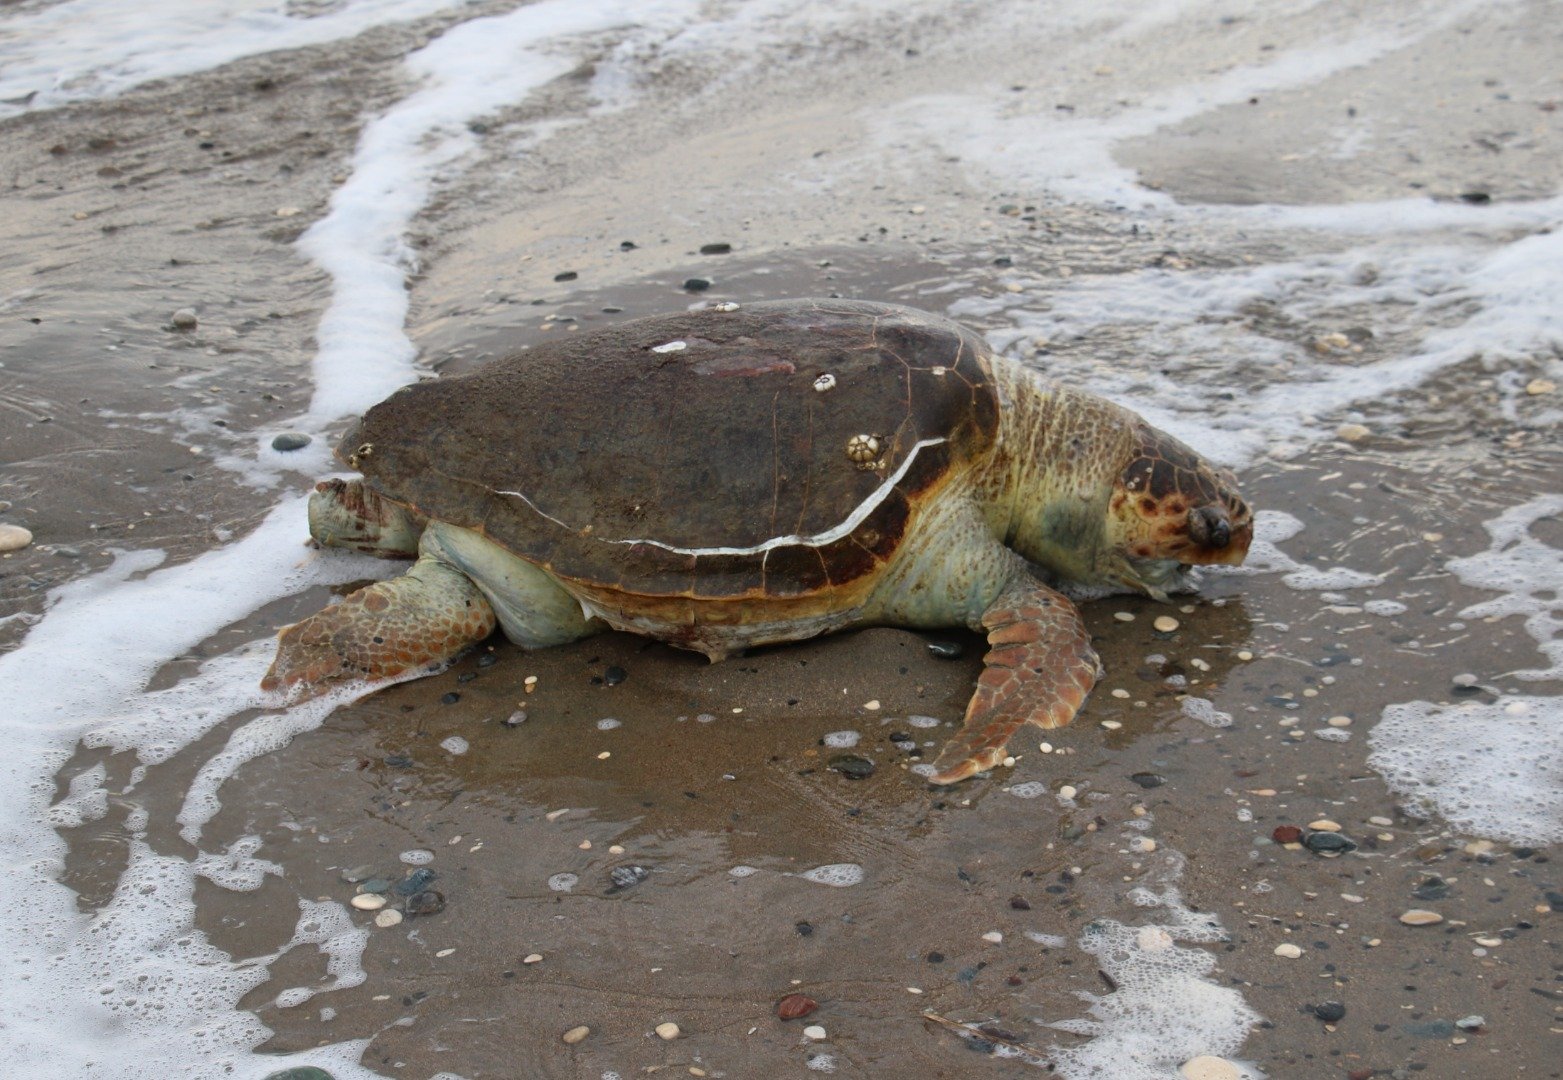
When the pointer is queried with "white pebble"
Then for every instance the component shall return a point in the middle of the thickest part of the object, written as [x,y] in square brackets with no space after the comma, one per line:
[417,857]
[1324,825]
[1124,616]
[1206,1067]
[563,882]
[454,745]
[1165,623]
[993,937]
[576,1034]
[923,721]
[368,901]
[1339,721]
[1068,791]
[668,1031]
[387,918]
[1112,725]
[1419,917]
[871,705]
[1288,950]
[14,538]
[841,740]
[532,958]
[608,724]
[815,1032]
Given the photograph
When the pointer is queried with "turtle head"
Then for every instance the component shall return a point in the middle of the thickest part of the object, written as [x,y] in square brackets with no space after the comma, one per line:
[1171,509]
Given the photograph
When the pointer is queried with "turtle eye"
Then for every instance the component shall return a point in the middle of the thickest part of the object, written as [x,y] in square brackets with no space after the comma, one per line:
[1208,527]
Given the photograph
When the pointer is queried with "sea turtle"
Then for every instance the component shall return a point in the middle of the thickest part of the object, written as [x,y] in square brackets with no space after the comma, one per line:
[743,475]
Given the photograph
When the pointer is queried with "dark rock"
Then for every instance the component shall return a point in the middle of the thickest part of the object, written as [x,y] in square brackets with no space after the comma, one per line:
[626,877]
[936,958]
[946,650]
[1148,780]
[567,275]
[1330,1011]
[488,659]
[376,885]
[300,1072]
[851,766]
[290,440]
[803,927]
[450,698]
[398,761]
[1554,899]
[1433,888]
[428,902]
[1432,1029]
[1286,834]
[1328,843]
[414,882]
[1475,198]
[1020,903]
[697,284]
[715,249]
[614,675]
[627,245]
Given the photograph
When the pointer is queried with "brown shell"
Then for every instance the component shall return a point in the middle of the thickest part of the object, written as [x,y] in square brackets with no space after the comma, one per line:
[610,462]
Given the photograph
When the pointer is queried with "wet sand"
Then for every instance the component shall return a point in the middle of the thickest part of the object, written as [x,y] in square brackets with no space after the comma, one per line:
[121,213]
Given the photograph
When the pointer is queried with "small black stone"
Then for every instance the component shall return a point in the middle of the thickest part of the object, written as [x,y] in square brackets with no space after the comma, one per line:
[398,761]
[428,902]
[936,958]
[851,766]
[1148,780]
[803,928]
[1554,900]
[466,676]
[1323,841]
[1433,888]
[1019,903]
[715,249]
[1003,260]
[1329,1011]
[1475,198]
[946,650]
[627,245]
[300,1072]
[488,659]
[614,675]
[567,275]
[450,698]
[626,877]
[290,440]
[697,284]
[414,882]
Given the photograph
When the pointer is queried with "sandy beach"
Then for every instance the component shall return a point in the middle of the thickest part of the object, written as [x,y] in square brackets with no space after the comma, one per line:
[1319,242]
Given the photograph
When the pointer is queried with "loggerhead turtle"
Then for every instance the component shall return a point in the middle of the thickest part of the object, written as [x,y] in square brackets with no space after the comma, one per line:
[738,476]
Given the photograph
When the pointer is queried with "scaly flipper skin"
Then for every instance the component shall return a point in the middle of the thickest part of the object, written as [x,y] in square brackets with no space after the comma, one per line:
[425,617]
[1039,669]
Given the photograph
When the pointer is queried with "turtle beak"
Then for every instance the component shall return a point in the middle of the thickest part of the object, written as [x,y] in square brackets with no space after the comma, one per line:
[1209,527]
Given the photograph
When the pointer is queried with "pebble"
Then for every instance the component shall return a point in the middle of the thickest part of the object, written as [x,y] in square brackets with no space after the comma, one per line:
[795,1006]
[1339,721]
[613,675]
[851,766]
[290,440]
[668,1031]
[368,901]
[1464,681]
[184,319]
[414,882]
[815,1032]
[1148,780]
[1112,725]
[516,719]
[1206,1067]
[1124,616]
[1470,1023]
[14,538]
[993,937]
[1324,824]
[626,877]
[1068,791]
[1166,624]
[428,902]
[1328,844]
[1288,950]
[1421,917]
[387,918]
[1353,432]
[576,1034]
[697,284]
[871,706]
[300,1072]
[1286,834]
[946,650]
[532,958]
[1329,1011]
[1537,387]
[718,248]
[1380,821]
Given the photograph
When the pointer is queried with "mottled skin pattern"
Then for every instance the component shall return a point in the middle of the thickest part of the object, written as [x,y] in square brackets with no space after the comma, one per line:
[730,503]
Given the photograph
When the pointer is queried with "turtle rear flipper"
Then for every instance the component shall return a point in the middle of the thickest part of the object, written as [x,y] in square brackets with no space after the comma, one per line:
[429,615]
[1039,669]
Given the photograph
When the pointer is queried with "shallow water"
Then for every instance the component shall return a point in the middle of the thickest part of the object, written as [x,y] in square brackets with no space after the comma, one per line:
[1282,232]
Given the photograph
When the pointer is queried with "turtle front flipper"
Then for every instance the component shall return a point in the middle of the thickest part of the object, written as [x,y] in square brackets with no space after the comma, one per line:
[426,617]
[1039,668]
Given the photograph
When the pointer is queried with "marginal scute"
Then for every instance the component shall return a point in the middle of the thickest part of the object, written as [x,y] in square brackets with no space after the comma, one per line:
[612,465]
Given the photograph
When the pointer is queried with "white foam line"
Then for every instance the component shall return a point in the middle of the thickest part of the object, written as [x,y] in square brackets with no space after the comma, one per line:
[86,49]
